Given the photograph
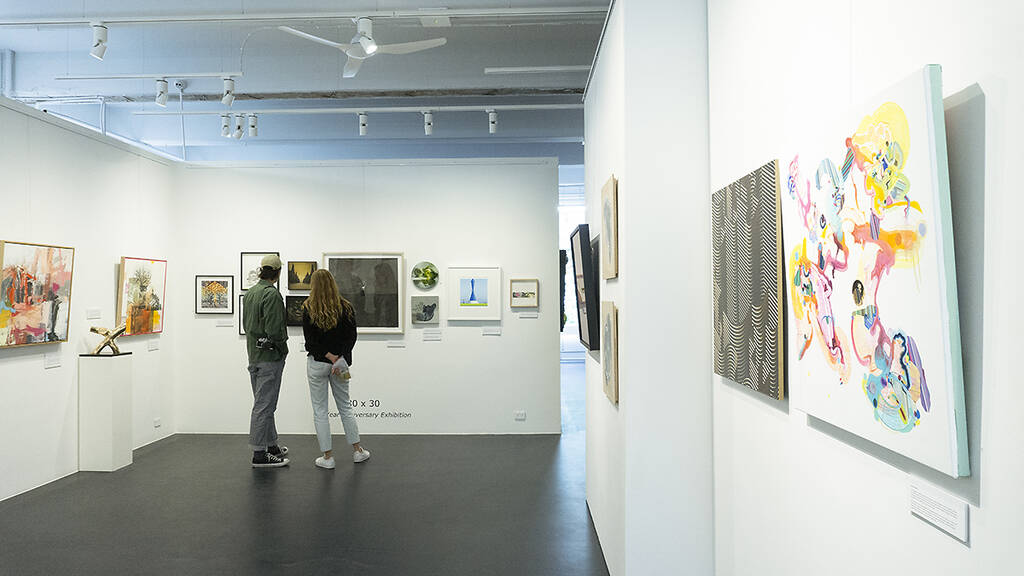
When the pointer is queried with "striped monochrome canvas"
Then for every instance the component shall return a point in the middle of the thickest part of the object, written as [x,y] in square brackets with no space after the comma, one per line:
[747,259]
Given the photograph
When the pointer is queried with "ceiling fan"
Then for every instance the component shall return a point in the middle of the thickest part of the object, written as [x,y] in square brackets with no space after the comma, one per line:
[363,45]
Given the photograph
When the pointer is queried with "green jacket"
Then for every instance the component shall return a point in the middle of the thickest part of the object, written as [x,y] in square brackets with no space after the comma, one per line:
[263,315]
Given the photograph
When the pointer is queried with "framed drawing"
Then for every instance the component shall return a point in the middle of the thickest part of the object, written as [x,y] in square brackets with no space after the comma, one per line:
[241,315]
[746,245]
[610,229]
[249,274]
[300,274]
[140,297]
[875,341]
[524,293]
[35,293]
[375,285]
[293,310]
[610,350]
[425,275]
[215,294]
[474,293]
[586,282]
[425,310]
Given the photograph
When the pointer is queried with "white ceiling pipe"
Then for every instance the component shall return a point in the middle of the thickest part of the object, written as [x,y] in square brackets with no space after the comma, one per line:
[535,69]
[151,76]
[381,110]
[327,15]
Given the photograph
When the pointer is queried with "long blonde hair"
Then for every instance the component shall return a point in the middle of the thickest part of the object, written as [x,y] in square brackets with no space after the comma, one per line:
[325,305]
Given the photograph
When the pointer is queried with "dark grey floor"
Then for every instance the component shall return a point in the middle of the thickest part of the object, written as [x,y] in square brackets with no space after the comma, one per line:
[422,505]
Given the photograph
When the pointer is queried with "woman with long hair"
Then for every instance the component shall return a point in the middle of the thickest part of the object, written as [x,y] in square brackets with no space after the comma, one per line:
[329,325]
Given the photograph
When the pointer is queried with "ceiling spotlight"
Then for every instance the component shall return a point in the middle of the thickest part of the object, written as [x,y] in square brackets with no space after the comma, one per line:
[363,121]
[252,126]
[364,31]
[99,41]
[225,125]
[428,123]
[492,121]
[161,92]
[237,134]
[229,92]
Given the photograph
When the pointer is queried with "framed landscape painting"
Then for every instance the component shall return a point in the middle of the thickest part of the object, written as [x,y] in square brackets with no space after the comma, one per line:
[300,275]
[35,293]
[215,294]
[249,274]
[140,298]
[474,293]
[375,285]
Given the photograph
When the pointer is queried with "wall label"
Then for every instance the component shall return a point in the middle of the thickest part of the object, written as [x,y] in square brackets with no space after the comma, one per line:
[944,511]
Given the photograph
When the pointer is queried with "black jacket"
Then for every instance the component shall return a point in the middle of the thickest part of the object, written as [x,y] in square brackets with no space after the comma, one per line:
[338,340]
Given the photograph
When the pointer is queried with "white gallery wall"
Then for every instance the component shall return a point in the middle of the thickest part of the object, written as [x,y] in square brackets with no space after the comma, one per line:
[649,481]
[793,495]
[66,186]
[451,213]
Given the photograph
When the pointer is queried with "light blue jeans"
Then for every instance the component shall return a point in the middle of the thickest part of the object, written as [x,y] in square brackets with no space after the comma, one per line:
[319,374]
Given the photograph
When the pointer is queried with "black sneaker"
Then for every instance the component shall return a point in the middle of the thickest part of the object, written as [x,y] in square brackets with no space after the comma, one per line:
[279,451]
[268,460]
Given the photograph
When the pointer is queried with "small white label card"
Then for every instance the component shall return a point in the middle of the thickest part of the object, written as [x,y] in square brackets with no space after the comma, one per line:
[225,323]
[51,361]
[523,315]
[153,345]
[940,509]
[93,314]
[396,344]
[491,330]
[432,335]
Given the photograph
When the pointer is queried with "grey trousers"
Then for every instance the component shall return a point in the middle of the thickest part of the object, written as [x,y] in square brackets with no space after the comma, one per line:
[320,377]
[266,387]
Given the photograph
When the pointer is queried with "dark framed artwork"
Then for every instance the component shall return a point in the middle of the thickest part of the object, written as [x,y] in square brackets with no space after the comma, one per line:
[241,315]
[293,310]
[586,281]
[300,274]
[374,282]
[215,294]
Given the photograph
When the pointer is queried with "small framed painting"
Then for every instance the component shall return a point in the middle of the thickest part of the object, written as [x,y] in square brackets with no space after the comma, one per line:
[610,229]
[300,274]
[610,350]
[215,294]
[293,310]
[474,293]
[241,315]
[424,310]
[250,268]
[524,292]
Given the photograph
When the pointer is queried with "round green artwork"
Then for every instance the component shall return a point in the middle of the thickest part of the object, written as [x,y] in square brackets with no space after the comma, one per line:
[424,275]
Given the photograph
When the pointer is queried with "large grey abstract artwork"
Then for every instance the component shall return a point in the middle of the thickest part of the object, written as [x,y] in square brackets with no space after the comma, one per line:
[746,234]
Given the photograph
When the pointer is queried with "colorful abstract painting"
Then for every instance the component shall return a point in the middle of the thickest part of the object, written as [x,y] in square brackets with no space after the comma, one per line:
[35,293]
[746,245]
[140,301]
[874,338]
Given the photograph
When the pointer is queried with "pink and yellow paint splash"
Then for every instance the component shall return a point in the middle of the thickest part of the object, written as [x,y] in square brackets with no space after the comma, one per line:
[860,217]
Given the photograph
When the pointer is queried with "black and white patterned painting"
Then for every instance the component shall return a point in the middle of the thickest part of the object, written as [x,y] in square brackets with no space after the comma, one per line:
[746,236]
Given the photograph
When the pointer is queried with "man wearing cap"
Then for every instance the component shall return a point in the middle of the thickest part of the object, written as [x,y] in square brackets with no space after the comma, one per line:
[267,344]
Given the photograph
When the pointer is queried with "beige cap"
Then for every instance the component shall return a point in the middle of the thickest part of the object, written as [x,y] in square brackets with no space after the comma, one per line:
[271,261]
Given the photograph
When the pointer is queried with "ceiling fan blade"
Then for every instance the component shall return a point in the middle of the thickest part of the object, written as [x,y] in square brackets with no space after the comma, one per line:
[351,67]
[317,39]
[410,47]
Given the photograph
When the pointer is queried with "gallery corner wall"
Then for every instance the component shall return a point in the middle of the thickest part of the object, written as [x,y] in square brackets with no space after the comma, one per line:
[64,185]
[794,495]
[649,482]
[451,213]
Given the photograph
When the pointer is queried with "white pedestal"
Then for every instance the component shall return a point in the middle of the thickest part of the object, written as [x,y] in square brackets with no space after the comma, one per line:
[104,412]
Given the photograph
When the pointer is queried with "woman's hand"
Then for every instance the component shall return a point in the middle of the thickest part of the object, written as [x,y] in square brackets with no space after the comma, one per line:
[332,357]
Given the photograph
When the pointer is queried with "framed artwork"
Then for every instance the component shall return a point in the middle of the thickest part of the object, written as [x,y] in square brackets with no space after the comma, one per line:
[374,284]
[215,294]
[140,297]
[874,344]
[524,293]
[425,310]
[241,315]
[35,293]
[425,275]
[610,229]
[610,350]
[746,245]
[474,293]
[293,310]
[300,274]
[586,281]
[249,274]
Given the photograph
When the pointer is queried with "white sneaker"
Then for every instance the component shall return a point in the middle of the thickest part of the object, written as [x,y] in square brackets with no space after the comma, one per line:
[362,456]
[327,463]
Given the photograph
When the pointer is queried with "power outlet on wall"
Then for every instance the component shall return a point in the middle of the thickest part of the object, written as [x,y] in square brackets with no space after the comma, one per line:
[157,423]
[520,415]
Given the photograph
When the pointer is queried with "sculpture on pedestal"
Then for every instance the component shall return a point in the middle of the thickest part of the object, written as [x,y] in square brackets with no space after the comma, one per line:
[109,337]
